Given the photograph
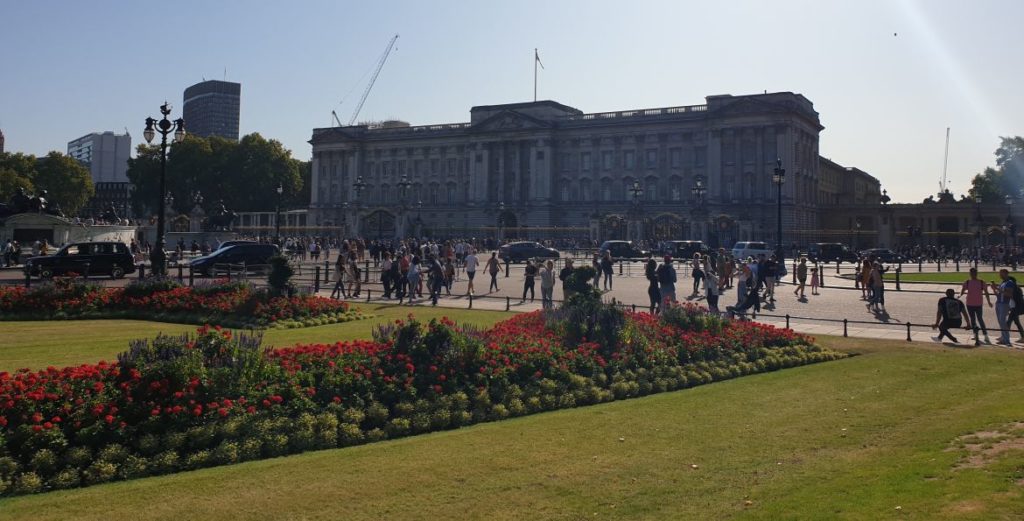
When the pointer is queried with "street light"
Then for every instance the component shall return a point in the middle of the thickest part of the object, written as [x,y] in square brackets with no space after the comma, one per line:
[637,192]
[403,189]
[158,259]
[980,222]
[277,214]
[779,177]
[501,220]
[856,237]
[698,190]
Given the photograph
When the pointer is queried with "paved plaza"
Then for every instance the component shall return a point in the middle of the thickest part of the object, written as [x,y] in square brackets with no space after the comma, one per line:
[821,314]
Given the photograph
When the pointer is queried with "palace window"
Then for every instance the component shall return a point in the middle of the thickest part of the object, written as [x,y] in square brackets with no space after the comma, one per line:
[607,159]
[652,158]
[675,156]
[585,161]
[629,159]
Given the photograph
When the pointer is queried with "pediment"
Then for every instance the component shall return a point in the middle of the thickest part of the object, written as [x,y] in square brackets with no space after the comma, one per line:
[510,121]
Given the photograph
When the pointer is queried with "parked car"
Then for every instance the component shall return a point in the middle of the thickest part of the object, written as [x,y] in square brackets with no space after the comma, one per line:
[884,255]
[255,256]
[520,251]
[622,250]
[84,258]
[743,249]
[831,252]
[684,249]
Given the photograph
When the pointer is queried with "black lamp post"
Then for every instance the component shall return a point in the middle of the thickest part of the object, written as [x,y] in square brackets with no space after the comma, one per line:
[403,191]
[158,259]
[856,237]
[779,177]
[979,224]
[698,190]
[357,188]
[637,193]
[501,220]
[1010,228]
[277,214]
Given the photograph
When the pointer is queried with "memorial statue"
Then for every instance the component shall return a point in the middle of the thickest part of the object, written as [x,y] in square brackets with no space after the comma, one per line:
[220,218]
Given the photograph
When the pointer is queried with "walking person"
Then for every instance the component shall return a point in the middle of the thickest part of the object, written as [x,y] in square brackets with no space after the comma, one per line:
[948,316]
[449,275]
[435,278]
[1004,305]
[339,279]
[876,283]
[414,278]
[493,269]
[667,282]
[801,278]
[814,280]
[607,269]
[975,289]
[385,274]
[471,262]
[597,271]
[698,275]
[771,271]
[650,271]
[712,288]
[530,274]
[547,285]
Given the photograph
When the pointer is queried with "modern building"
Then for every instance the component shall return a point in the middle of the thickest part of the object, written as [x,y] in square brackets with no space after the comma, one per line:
[212,108]
[547,169]
[106,155]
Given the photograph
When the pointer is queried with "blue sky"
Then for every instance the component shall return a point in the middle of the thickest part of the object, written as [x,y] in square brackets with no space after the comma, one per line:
[888,77]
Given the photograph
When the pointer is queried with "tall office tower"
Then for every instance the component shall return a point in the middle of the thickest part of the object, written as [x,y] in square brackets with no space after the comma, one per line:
[106,155]
[211,108]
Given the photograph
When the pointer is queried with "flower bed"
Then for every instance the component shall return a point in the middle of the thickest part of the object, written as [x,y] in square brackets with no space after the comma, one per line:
[232,304]
[180,403]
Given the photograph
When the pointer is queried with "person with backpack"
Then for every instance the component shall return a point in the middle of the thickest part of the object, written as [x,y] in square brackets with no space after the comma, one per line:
[951,314]
[1006,306]
[667,281]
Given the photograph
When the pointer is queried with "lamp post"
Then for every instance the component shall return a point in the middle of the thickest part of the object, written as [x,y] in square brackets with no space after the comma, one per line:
[501,220]
[277,214]
[358,186]
[856,237]
[979,224]
[779,177]
[158,259]
[403,190]
[698,192]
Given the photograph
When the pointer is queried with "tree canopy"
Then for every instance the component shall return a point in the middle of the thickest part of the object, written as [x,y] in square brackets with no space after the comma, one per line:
[244,174]
[1007,177]
[68,183]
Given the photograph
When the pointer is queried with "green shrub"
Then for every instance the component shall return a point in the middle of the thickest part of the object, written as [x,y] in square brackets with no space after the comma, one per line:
[148,444]
[280,276]
[134,467]
[165,462]
[376,435]
[44,462]
[353,415]
[197,460]
[175,440]
[350,434]
[100,472]
[114,453]
[8,467]
[28,483]
[67,478]
[275,445]
[420,422]
[440,419]
[397,427]
[226,453]
[78,457]
[377,414]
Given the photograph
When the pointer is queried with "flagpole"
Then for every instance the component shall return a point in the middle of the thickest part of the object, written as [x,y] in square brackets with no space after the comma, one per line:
[535,75]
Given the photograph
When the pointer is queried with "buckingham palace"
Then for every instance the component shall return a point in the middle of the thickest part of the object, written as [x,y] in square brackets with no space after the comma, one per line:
[544,169]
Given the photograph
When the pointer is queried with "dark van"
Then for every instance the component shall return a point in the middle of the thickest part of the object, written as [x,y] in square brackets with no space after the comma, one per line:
[830,252]
[253,256]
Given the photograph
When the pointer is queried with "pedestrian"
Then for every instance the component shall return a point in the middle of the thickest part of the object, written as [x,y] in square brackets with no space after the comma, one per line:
[471,263]
[667,281]
[413,277]
[876,282]
[975,289]
[385,274]
[493,269]
[547,285]
[948,316]
[449,274]
[530,273]
[435,277]
[597,271]
[339,279]
[814,280]
[711,288]
[607,269]
[651,272]
[801,278]
[1004,305]
[563,276]
[698,275]
[771,267]
[864,279]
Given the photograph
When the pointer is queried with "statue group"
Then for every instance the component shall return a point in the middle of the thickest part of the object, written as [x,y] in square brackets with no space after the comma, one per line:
[21,203]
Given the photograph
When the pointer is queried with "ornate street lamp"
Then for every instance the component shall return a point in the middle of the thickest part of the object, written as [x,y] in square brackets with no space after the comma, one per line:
[403,190]
[277,214]
[885,197]
[698,191]
[637,192]
[779,177]
[979,224]
[501,220]
[158,259]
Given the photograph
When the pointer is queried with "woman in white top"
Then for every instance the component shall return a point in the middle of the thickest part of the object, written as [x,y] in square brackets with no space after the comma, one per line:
[471,263]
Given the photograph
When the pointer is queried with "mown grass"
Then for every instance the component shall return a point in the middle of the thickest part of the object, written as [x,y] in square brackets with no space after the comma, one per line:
[38,344]
[947,277]
[862,438]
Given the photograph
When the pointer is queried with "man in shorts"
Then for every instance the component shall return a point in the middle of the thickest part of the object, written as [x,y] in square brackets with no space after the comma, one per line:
[471,263]
[949,315]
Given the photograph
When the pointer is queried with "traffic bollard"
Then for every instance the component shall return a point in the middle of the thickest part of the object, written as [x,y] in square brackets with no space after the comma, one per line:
[366,270]
[470,301]
[181,274]
[908,331]
[898,270]
[191,277]
[787,320]
[508,303]
[142,271]
[28,279]
[845,323]
[316,279]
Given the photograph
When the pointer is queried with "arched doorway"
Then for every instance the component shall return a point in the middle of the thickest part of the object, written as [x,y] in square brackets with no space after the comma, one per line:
[613,228]
[378,224]
[667,227]
[724,233]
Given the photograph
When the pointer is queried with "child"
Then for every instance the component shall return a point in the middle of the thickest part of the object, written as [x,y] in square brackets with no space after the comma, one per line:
[814,281]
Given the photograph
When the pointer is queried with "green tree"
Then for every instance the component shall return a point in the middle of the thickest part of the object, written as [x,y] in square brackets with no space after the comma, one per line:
[1007,177]
[67,182]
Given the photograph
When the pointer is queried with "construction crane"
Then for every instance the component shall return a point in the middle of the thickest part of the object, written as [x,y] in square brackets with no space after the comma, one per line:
[335,116]
[376,72]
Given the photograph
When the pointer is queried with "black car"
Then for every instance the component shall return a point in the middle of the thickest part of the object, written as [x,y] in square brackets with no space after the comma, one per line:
[520,251]
[84,258]
[831,252]
[684,249]
[253,256]
[884,255]
[622,250]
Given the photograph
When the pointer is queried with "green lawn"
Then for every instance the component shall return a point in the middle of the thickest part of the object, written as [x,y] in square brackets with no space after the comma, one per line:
[868,437]
[947,277]
[37,344]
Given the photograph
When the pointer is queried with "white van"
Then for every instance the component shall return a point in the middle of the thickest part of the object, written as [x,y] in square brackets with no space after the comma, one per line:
[743,249]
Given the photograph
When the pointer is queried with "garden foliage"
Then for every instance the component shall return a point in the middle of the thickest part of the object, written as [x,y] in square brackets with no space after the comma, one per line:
[185,402]
[224,302]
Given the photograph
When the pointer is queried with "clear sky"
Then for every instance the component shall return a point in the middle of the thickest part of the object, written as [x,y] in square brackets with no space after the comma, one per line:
[887,76]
